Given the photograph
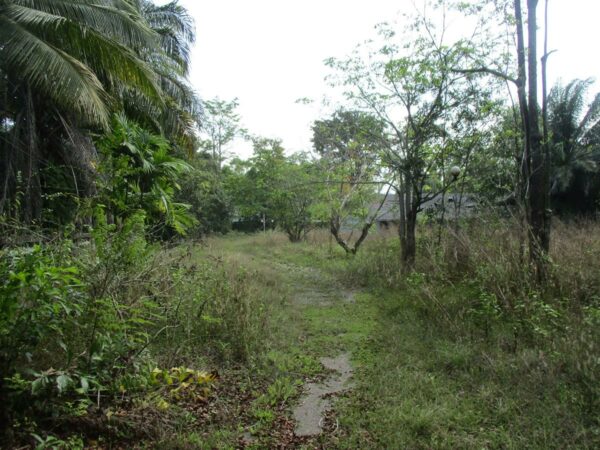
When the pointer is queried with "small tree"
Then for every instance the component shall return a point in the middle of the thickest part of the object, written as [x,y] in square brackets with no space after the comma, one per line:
[250,184]
[411,89]
[220,127]
[295,196]
[271,189]
[139,173]
[349,144]
[202,188]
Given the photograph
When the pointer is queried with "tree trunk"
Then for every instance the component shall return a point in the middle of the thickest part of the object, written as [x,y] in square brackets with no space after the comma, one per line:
[539,225]
[402,212]
[30,163]
[334,226]
[407,226]
[409,246]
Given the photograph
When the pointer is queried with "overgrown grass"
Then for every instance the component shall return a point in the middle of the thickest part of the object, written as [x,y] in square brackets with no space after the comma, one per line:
[470,352]
[85,327]
[465,352]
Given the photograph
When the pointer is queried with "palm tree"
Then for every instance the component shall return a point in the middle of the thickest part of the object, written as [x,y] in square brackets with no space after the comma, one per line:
[575,139]
[62,49]
[67,65]
[171,62]
[61,64]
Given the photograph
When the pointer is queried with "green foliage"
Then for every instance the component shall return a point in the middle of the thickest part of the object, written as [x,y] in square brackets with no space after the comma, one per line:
[203,189]
[251,184]
[295,196]
[221,125]
[68,66]
[141,174]
[64,332]
[458,344]
[271,189]
[280,391]
[182,383]
[86,322]
[575,145]
[350,144]
[53,443]
[349,137]
[218,314]
[41,299]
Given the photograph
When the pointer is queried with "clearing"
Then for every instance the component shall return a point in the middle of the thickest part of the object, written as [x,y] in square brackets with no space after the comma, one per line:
[340,364]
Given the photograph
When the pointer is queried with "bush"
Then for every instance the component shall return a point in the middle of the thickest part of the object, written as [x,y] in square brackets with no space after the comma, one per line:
[84,326]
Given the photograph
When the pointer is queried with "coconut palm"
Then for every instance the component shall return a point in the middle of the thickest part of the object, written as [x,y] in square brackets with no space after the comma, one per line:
[67,65]
[171,62]
[73,52]
[575,135]
[62,65]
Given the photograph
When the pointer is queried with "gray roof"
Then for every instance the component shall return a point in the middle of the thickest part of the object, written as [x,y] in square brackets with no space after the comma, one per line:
[390,210]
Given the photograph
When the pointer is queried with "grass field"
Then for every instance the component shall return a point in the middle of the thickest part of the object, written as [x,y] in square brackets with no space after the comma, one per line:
[464,352]
[421,380]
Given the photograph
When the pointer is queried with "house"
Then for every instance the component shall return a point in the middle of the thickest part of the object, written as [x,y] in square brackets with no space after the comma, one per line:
[446,206]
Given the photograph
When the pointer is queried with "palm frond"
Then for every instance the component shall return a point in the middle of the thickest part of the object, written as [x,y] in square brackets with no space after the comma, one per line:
[114,18]
[116,62]
[64,79]
[176,30]
[591,117]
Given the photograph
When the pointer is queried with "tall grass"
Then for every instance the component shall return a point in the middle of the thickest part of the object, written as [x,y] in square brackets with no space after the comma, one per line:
[473,293]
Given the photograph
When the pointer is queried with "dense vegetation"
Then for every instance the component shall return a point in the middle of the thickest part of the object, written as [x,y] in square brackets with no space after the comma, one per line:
[135,312]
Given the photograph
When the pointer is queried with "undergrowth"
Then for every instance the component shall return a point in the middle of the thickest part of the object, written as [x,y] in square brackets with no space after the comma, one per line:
[114,339]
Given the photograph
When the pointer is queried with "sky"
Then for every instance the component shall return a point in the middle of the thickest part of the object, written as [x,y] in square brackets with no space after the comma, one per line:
[269,53]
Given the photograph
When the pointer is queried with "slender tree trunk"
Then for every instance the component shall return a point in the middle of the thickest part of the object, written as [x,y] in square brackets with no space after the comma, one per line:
[546,138]
[9,177]
[402,211]
[539,231]
[407,229]
[31,168]
[523,156]
[409,248]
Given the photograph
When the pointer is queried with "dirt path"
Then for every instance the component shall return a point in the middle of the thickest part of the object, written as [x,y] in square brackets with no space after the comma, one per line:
[309,413]
[318,329]
[313,289]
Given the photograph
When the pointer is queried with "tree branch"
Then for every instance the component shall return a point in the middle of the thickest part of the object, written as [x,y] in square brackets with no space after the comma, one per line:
[487,70]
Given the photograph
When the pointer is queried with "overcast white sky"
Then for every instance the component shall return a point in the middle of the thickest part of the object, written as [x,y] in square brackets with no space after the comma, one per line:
[269,53]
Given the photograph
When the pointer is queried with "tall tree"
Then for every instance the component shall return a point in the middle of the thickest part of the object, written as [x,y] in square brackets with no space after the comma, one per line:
[539,190]
[220,127]
[59,63]
[180,115]
[66,66]
[535,161]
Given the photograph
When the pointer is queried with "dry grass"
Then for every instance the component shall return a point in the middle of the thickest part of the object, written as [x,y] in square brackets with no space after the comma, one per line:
[471,338]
